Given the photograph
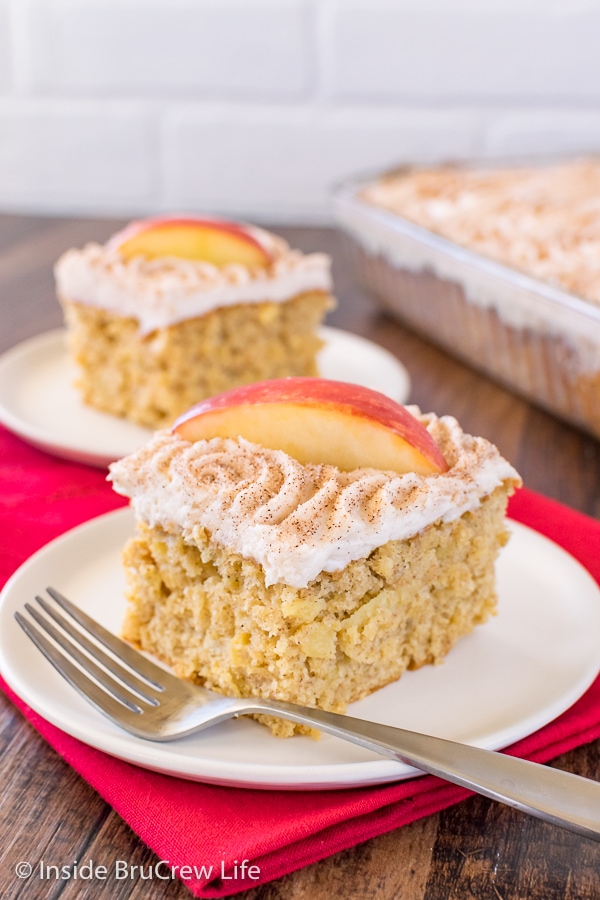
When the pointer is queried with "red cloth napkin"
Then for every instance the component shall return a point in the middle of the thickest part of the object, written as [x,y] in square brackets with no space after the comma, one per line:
[198,825]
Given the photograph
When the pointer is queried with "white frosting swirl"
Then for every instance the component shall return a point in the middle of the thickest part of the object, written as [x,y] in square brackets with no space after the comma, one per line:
[162,292]
[297,521]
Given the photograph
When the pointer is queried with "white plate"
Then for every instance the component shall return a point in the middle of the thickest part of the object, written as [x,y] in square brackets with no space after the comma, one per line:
[39,403]
[510,677]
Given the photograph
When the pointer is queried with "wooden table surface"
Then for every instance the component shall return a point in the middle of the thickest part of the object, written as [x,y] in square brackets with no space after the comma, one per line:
[478,849]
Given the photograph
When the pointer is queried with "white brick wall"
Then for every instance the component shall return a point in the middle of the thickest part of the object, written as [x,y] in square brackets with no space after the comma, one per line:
[255,107]
[283,160]
[145,47]
[478,50]
[77,156]
[541,130]
[5,47]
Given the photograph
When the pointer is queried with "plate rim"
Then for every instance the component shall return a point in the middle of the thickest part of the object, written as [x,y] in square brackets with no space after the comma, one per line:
[54,341]
[379,771]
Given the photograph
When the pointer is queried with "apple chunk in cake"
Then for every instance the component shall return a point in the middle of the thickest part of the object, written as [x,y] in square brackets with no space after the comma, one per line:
[208,613]
[255,573]
[171,311]
[151,379]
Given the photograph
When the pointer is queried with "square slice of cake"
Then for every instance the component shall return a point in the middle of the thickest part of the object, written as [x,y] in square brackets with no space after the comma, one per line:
[263,568]
[171,311]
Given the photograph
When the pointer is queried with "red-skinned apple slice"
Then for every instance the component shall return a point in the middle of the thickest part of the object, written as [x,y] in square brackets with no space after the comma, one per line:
[316,420]
[208,240]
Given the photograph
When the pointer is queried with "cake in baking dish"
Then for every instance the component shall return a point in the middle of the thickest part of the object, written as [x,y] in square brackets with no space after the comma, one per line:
[314,563]
[498,265]
[171,311]
[542,220]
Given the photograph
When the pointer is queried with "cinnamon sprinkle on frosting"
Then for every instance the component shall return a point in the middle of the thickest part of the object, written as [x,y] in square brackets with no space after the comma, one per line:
[299,520]
[165,291]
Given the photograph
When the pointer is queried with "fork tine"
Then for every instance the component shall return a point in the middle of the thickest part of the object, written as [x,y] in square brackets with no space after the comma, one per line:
[130,681]
[88,689]
[158,678]
[87,664]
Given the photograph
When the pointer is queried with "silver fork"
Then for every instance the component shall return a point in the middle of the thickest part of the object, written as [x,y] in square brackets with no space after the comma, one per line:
[152,704]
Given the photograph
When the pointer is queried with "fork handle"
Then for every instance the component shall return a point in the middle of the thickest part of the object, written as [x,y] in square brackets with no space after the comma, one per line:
[550,794]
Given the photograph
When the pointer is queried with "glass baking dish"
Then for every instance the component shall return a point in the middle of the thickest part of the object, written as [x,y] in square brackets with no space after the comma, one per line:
[538,340]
